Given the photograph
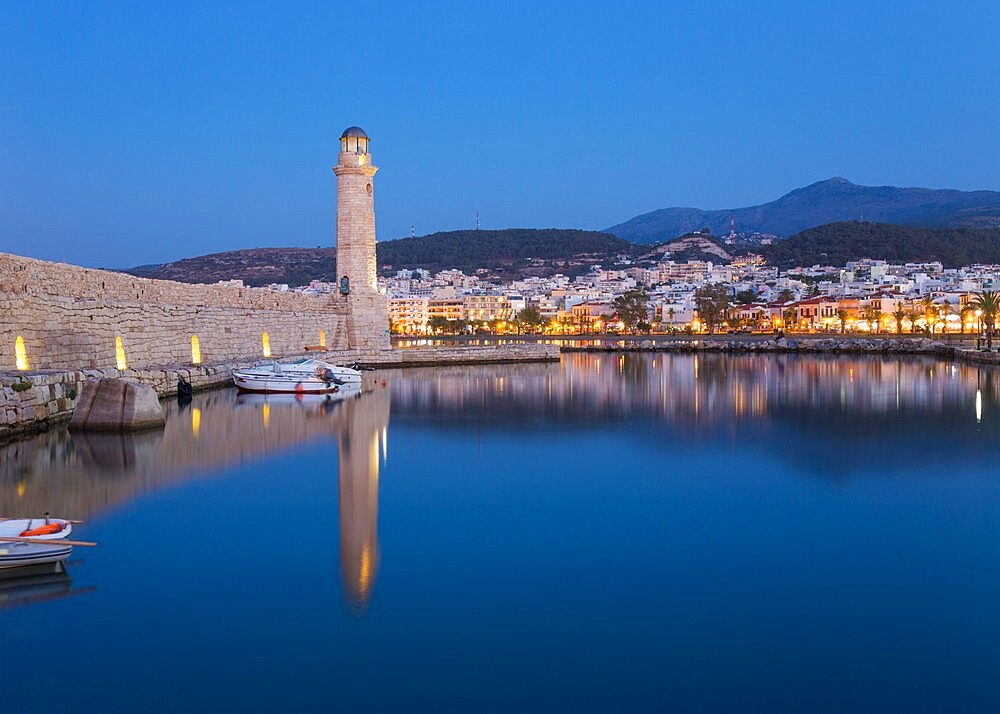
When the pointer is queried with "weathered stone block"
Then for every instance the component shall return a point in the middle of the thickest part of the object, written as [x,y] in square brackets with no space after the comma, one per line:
[116,405]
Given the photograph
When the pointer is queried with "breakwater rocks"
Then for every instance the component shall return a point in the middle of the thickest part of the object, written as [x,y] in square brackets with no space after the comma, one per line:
[831,345]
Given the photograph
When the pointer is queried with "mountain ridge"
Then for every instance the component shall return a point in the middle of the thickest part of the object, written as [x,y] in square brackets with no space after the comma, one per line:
[833,200]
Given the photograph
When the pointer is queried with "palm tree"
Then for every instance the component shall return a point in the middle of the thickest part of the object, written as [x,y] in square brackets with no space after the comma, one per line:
[966,310]
[842,316]
[877,314]
[786,295]
[943,311]
[913,316]
[670,313]
[869,315]
[899,315]
[788,314]
[928,304]
[988,302]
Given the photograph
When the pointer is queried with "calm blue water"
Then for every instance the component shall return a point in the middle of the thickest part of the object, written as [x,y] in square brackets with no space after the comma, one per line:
[612,533]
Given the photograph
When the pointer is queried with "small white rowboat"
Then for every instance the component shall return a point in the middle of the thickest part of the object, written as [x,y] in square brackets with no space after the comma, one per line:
[35,528]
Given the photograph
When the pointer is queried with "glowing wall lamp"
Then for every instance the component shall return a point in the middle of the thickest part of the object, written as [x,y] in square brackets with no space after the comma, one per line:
[322,338]
[20,354]
[195,350]
[120,360]
[266,344]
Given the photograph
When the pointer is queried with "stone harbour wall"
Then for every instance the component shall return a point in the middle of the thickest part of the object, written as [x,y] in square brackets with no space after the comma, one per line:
[71,318]
[50,396]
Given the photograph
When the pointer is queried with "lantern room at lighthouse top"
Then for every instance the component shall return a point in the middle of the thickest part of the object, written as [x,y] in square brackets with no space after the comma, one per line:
[354,140]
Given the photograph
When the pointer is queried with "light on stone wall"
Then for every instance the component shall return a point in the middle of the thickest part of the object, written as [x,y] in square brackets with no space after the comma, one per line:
[266,343]
[322,338]
[195,350]
[20,354]
[120,361]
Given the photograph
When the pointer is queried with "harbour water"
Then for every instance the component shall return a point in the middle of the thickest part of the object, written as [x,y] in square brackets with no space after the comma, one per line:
[613,532]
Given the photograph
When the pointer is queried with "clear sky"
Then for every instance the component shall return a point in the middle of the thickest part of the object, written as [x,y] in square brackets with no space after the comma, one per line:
[144,132]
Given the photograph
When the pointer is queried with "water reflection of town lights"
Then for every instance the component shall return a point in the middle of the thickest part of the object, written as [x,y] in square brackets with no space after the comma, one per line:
[979,406]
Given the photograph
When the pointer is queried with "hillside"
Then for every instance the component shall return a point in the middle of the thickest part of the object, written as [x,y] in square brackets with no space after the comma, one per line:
[837,243]
[254,266]
[696,246]
[506,254]
[833,200]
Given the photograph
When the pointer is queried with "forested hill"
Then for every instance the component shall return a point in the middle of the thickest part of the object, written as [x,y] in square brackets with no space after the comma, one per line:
[254,266]
[510,252]
[837,243]
[506,254]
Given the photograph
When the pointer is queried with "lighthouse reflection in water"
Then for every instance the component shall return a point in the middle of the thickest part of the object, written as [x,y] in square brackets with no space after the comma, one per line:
[90,476]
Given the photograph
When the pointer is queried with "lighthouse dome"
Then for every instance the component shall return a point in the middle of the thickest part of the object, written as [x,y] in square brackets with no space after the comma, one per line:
[354,140]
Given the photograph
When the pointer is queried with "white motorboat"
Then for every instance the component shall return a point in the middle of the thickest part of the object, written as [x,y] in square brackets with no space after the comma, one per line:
[36,528]
[306,401]
[18,554]
[305,376]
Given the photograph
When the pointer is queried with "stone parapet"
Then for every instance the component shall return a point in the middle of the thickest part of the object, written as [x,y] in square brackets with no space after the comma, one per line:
[69,318]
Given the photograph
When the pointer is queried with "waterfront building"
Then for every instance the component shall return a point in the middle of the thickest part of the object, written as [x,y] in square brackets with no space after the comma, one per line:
[488,307]
[409,314]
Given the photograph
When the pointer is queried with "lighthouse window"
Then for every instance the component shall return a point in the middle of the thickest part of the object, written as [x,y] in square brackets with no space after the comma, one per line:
[368,188]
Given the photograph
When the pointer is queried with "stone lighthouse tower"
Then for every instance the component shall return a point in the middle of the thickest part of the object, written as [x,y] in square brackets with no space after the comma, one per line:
[367,311]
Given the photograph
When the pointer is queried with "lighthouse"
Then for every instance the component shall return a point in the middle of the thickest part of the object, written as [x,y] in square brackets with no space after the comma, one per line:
[367,311]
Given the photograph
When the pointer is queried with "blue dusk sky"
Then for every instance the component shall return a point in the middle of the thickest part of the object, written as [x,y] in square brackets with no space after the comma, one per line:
[138,133]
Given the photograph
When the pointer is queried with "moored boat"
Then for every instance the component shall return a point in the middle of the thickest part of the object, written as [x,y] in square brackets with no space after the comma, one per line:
[45,528]
[305,376]
[19,554]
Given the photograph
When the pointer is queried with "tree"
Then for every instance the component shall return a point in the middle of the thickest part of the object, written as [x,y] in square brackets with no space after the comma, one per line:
[878,320]
[437,324]
[670,313]
[814,290]
[928,305]
[913,316]
[712,304]
[745,297]
[988,303]
[899,314]
[786,295]
[531,318]
[944,309]
[842,316]
[788,315]
[632,308]
[869,316]
[967,309]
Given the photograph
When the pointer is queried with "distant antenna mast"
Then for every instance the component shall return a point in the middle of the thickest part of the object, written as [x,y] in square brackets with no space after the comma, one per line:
[862,214]
[477,220]
[413,231]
